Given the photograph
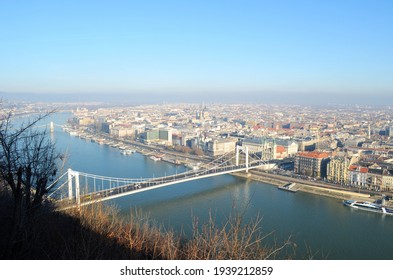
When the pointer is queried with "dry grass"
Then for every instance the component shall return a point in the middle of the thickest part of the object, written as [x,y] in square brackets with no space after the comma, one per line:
[234,240]
[97,232]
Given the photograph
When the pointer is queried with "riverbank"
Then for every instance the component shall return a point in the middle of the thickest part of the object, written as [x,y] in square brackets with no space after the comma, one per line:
[157,153]
[305,186]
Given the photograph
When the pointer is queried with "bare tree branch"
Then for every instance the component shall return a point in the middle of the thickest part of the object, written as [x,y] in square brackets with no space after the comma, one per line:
[28,163]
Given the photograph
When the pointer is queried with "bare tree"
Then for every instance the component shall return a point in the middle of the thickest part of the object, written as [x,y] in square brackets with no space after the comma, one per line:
[28,165]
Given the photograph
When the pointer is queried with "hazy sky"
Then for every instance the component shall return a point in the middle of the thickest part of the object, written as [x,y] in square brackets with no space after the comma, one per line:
[251,50]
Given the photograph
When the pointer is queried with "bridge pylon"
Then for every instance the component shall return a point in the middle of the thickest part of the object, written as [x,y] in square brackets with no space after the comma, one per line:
[71,176]
[246,159]
[237,154]
[245,149]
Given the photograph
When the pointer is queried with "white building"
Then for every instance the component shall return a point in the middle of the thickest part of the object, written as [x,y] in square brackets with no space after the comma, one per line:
[358,175]
[218,147]
[266,147]
[271,148]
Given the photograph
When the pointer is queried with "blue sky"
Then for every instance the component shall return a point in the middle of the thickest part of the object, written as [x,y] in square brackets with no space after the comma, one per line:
[208,48]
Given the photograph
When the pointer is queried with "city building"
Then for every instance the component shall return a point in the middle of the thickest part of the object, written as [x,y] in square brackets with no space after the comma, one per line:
[313,164]
[218,147]
[389,131]
[357,176]
[84,121]
[307,144]
[337,169]
[387,181]
[290,146]
[374,178]
[280,152]
[122,131]
[160,136]
[106,127]
[265,147]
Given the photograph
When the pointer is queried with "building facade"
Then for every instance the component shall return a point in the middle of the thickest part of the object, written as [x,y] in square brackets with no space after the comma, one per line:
[218,147]
[387,181]
[357,176]
[270,148]
[312,164]
[163,136]
[374,179]
[265,147]
[337,170]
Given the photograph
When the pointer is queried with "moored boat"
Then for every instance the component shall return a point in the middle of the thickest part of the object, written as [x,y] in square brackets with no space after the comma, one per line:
[127,152]
[155,158]
[368,206]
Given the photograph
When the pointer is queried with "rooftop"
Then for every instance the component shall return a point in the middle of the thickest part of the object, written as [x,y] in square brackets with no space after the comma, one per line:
[314,154]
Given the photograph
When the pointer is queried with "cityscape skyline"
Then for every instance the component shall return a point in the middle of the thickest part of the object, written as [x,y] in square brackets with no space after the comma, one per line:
[339,151]
[256,51]
[273,98]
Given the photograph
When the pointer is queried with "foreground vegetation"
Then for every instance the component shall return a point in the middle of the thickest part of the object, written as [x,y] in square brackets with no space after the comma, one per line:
[97,232]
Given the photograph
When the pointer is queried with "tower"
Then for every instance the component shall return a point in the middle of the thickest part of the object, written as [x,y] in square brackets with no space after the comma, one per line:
[369,131]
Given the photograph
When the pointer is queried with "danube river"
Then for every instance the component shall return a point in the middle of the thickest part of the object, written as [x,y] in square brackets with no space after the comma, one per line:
[319,225]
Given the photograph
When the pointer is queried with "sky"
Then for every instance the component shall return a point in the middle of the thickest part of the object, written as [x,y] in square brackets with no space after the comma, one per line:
[251,51]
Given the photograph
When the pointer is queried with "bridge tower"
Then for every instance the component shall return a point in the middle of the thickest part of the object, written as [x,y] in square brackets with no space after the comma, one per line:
[246,159]
[238,149]
[71,176]
[237,155]
[51,127]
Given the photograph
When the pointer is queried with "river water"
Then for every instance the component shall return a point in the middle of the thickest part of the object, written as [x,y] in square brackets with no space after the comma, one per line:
[320,226]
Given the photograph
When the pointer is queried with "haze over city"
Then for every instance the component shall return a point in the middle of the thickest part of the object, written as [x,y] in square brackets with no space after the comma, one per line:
[303,52]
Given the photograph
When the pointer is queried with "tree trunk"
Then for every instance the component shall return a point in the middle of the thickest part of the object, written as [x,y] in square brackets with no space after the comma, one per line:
[17,225]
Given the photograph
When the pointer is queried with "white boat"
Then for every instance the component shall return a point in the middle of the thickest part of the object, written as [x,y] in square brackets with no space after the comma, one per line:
[155,158]
[193,166]
[100,141]
[368,206]
[127,152]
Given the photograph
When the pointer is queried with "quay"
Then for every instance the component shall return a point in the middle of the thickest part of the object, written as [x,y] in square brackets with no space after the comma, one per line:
[288,187]
[306,186]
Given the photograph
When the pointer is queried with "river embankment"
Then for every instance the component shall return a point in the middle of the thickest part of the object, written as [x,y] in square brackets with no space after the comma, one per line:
[305,186]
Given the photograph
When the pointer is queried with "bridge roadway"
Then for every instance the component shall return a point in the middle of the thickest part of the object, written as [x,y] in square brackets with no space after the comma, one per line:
[155,183]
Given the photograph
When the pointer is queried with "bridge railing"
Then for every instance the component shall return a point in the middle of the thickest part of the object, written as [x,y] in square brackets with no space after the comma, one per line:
[94,186]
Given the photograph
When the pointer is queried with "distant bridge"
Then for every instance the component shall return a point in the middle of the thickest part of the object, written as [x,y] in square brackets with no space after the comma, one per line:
[80,189]
[51,126]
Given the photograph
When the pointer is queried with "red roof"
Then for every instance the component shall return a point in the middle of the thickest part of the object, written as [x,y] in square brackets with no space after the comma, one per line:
[353,168]
[314,154]
[361,169]
[280,149]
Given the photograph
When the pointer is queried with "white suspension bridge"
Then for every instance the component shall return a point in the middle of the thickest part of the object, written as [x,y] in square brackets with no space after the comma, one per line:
[51,126]
[78,189]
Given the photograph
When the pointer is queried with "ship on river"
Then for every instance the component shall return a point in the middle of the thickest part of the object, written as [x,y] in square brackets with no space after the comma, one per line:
[369,206]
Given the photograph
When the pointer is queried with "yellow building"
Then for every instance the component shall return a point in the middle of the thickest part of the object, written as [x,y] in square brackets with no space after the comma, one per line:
[387,183]
[337,169]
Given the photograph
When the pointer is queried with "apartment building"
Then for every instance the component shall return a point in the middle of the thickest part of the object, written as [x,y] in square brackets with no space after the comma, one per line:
[337,169]
[313,164]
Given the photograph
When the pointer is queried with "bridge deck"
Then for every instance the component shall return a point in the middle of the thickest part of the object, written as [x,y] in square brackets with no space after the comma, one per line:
[156,183]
